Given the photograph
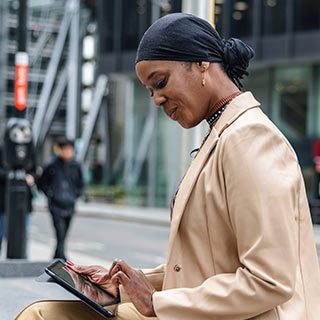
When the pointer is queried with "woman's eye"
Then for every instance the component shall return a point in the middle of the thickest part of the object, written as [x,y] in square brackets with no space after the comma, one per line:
[162,83]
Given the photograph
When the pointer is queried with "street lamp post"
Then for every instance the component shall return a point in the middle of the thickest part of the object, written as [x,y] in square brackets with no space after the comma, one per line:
[18,148]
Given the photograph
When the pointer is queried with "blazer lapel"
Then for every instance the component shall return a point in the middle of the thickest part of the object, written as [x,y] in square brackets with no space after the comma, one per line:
[235,109]
[189,180]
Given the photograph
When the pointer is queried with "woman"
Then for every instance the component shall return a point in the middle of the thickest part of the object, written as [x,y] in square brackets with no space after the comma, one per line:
[241,244]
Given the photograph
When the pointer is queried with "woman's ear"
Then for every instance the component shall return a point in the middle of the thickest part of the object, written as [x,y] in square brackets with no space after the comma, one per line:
[203,65]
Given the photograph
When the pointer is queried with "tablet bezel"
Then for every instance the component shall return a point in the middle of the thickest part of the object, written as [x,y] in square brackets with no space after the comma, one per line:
[97,307]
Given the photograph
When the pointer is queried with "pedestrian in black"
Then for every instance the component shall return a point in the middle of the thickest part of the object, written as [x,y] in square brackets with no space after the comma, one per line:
[62,183]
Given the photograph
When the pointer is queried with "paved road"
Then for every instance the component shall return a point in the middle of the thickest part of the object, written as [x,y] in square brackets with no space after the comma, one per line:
[102,240]
[91,241]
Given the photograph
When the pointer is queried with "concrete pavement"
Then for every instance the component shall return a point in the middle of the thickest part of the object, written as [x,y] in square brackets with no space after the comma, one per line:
[19,290]
[18,287]
[146,215]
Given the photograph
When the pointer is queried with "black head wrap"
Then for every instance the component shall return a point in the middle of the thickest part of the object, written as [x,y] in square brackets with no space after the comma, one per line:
[188,38]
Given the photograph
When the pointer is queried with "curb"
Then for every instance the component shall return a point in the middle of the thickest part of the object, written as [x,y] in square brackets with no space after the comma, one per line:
[17,268]
[149,216]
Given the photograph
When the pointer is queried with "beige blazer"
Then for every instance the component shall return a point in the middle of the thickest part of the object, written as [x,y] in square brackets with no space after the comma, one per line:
[241,243]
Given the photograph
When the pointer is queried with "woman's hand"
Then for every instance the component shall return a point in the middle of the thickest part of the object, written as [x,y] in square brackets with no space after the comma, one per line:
[136,284]
[97,274]
[88,289]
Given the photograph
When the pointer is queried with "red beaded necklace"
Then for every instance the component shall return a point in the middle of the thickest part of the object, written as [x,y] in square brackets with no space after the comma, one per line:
[219,107]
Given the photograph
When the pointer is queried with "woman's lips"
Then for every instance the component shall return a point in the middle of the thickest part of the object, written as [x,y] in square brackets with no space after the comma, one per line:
[172,114]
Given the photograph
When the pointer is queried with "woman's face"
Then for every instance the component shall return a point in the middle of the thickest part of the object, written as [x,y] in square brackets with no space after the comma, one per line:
[176,86]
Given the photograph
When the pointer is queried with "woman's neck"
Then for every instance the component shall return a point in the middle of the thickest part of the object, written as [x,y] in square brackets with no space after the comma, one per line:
[222,101]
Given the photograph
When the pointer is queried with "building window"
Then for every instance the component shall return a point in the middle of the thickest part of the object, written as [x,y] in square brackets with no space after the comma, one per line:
[218,9]
[106,19]
[130,23]
[273,16]
[242,18]
[291,101]
[307,15]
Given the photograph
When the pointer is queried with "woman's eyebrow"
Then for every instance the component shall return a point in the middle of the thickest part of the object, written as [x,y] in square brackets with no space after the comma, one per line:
[151,75]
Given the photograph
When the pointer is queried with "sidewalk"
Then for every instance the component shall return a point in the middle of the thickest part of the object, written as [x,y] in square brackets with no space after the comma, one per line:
[17,292]
[146,215]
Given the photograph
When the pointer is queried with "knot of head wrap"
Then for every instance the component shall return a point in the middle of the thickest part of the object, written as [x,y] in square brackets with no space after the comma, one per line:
[236,56]
[188,38]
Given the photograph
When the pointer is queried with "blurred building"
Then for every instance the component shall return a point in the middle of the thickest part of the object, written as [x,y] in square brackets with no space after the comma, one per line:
[285,74]
[143,155]
[129,147]
[54,36]
[285,77]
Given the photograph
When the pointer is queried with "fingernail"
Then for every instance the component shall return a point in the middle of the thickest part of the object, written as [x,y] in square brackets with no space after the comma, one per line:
[70,263]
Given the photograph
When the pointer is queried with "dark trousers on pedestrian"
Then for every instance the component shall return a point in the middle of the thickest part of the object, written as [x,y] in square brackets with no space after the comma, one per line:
[61,218]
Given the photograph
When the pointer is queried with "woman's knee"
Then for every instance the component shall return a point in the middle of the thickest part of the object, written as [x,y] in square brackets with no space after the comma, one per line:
[33,311]
[127,311]
[52,310]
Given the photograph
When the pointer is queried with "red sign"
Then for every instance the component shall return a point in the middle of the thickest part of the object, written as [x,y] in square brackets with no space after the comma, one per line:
[21,81]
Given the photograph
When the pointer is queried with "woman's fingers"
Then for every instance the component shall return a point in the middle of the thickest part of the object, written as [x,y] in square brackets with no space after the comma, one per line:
[120,278]
[113,268]
[120,265]
[87,270]
[137,286]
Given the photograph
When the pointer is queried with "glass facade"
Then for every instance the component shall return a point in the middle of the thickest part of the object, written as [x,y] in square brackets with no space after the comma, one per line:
[144,146]
[307,15]
[291,100]
[219,6]
[290,96]
[241,13]
[106,34]
[149,153]
[242,18]
[273,17]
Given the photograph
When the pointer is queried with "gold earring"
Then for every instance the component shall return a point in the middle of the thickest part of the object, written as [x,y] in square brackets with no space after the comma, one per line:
[203,82]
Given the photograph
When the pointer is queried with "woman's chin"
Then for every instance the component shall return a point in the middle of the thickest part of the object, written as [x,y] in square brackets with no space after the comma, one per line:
[188,125]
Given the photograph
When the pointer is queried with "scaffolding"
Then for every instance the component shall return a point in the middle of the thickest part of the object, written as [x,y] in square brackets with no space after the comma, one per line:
[54,35]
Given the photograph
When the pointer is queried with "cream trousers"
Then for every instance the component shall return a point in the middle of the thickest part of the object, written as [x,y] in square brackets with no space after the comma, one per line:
[74,310]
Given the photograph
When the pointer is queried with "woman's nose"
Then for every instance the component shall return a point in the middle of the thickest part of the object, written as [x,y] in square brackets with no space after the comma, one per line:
[158,99]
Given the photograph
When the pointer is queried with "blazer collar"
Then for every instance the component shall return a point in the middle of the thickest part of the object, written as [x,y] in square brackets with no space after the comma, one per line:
[235,109]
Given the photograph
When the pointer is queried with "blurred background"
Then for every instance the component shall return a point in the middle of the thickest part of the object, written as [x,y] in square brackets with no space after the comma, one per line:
[81,83]
[67,69]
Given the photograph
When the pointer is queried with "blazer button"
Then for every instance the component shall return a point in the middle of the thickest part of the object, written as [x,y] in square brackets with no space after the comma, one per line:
[177,268]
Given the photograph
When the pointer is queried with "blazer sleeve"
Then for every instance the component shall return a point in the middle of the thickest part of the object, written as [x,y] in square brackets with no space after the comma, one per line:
[261,177]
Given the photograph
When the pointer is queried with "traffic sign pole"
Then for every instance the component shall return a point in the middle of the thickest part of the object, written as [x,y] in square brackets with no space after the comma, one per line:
[15,151]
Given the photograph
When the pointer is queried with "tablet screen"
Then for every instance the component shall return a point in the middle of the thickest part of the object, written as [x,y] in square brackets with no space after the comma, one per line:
[82,285]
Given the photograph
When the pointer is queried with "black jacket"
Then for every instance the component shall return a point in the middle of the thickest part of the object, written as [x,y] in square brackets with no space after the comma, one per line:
[62,182]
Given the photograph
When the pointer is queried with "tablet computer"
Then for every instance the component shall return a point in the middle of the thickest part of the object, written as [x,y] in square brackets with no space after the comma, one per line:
[93,295]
